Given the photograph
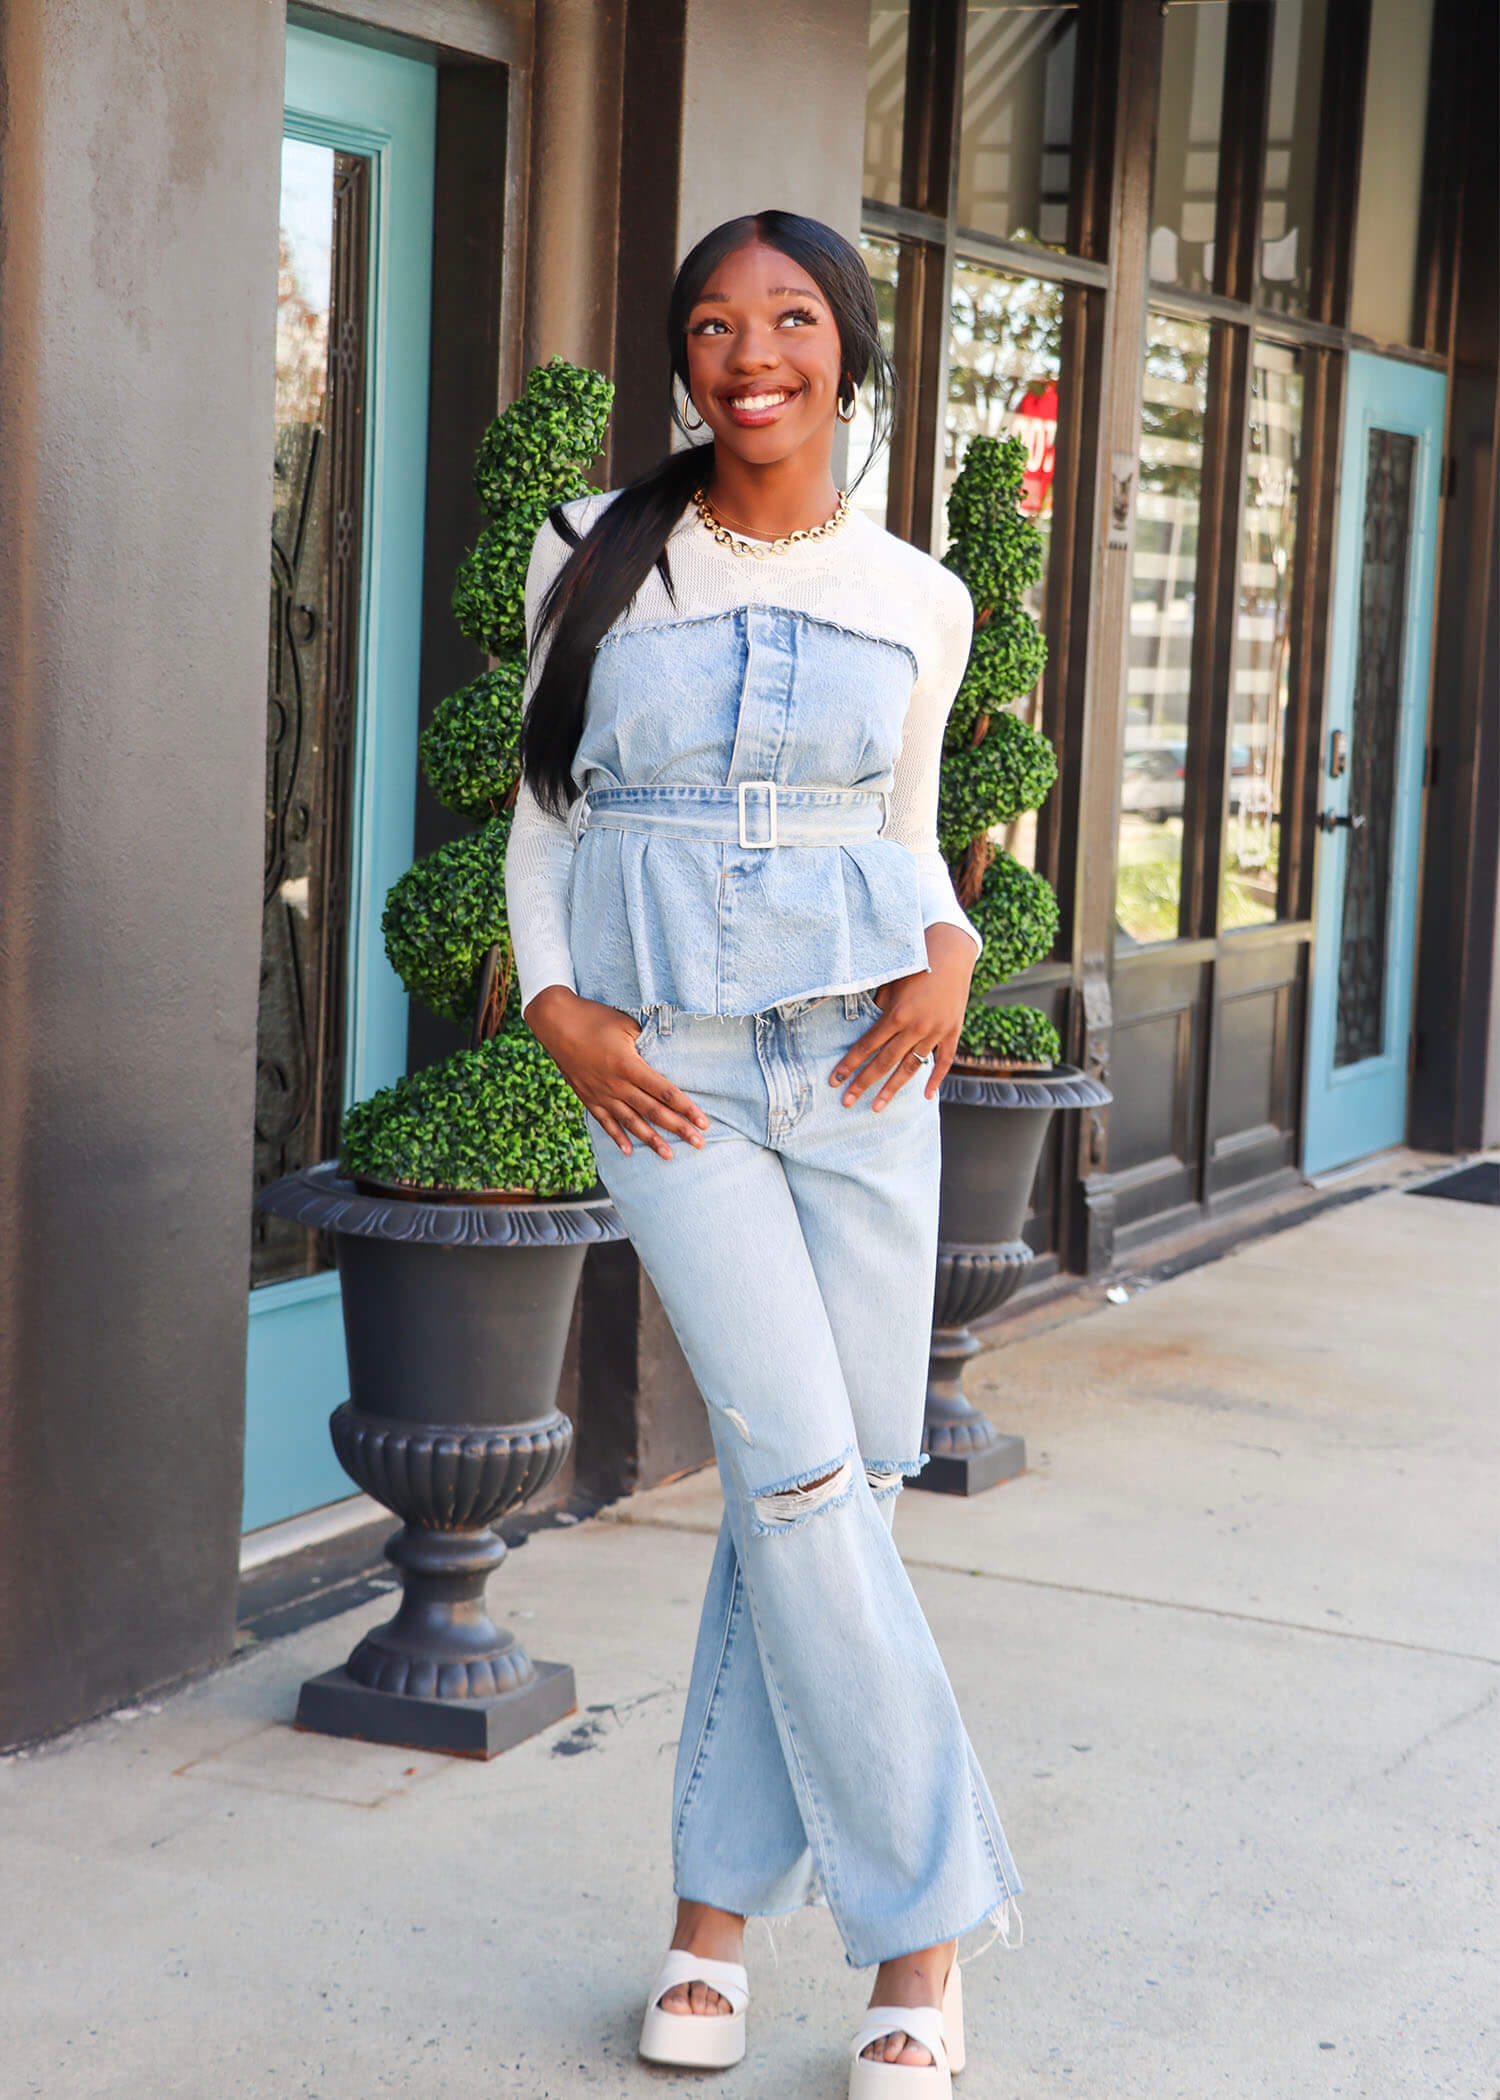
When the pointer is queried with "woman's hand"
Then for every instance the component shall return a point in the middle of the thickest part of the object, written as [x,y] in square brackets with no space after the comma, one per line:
[593,1046]
[918,1013]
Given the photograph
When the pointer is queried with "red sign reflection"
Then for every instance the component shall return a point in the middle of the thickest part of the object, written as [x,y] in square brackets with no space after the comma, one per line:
[1034,421]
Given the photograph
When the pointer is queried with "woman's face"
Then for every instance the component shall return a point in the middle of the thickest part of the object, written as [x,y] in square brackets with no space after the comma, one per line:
[764,359]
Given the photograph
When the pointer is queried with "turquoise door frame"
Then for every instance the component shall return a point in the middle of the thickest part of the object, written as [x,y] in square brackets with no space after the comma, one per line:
[364,101]
[1359,1108]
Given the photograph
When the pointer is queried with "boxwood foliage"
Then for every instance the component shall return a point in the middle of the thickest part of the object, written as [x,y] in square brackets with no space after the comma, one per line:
[995,766]
[1016,1034]
[443,915]
[566,413]
[499,1115]
[471,748]
[1016,911]
[1007,657]
[530,458]
[489,598]
[994,781]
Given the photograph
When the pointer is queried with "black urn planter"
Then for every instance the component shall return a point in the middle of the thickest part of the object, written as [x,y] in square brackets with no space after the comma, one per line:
[993,1132]
[456,1318]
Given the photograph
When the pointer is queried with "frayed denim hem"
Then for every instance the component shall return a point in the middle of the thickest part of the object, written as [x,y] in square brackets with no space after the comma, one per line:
[999,1917]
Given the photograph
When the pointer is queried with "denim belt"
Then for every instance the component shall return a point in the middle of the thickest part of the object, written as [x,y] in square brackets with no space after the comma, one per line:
[786,816]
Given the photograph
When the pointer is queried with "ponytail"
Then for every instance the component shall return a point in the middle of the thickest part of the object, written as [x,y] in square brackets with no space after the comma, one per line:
[601,576]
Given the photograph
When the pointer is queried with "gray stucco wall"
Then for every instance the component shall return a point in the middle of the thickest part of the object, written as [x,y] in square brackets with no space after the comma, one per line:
[139,168]
[773,112]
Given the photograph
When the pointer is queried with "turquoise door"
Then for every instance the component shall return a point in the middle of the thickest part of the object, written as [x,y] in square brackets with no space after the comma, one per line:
[1369,836]
[353,316]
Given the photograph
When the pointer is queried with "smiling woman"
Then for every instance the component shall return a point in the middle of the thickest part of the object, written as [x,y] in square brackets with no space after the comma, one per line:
[733,928]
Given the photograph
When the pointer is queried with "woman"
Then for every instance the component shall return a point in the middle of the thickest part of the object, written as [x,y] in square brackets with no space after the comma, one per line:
[726,901]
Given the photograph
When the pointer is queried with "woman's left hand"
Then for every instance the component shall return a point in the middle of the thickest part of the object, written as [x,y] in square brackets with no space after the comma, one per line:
[920,1013]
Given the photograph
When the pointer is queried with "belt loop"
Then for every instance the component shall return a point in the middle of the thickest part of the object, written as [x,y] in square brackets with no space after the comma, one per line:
[664,1014]
[851,1006]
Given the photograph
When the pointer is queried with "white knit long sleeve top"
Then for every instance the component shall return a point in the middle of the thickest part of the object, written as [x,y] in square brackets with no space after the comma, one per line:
[859,577]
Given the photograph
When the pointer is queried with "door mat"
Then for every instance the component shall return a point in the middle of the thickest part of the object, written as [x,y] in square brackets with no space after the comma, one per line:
[1479,1183]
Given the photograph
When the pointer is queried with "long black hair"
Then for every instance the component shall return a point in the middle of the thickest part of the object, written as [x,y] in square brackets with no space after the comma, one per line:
[605,570]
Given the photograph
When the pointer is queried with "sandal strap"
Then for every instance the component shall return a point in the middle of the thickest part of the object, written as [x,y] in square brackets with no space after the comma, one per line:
[924,2023]
[728,1978]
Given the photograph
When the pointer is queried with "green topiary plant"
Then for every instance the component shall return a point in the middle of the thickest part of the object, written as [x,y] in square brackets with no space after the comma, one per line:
[498,1115]
[995,766]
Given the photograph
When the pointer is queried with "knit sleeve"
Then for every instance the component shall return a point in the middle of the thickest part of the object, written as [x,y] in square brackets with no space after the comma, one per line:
[914,782]
[539,857]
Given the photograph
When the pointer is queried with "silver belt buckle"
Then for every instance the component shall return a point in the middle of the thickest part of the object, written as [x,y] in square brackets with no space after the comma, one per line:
[757,845]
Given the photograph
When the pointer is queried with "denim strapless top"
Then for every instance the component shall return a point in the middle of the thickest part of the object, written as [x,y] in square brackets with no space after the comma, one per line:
[706,924]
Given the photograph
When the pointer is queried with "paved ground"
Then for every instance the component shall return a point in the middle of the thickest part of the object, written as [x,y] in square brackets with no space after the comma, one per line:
[1230,1652]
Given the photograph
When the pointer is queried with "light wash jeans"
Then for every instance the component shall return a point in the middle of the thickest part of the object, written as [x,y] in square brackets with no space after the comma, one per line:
[795,1257]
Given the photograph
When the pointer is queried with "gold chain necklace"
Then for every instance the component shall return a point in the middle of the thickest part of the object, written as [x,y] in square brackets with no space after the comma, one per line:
[762,550]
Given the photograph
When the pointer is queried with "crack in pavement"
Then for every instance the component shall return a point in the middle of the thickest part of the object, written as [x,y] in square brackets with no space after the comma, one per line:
[1207,1611]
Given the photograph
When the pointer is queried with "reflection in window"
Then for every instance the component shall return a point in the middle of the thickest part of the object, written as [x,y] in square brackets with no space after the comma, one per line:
[1148,883]
[1016,149]
[310,699]
[882,260]
[1185,186]
[1005,362]
[885,102]
[1286,221]
[1262,668]
[1390,170]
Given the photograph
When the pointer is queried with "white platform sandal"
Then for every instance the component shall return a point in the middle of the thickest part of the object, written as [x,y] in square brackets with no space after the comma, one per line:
[696,2041]
[939,2030]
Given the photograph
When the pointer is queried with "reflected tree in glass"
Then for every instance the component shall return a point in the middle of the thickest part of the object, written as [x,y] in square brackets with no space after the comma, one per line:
[1164,566]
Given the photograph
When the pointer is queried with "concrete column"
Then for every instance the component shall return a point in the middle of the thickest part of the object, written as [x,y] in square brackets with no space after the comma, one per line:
[139,165]
[573,214]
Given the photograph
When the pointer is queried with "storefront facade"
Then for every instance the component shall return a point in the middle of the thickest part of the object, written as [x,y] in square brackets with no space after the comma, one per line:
[1226,265]
[1197,257]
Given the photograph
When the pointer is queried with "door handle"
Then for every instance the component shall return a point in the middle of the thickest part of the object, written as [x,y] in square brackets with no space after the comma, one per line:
[1329,820]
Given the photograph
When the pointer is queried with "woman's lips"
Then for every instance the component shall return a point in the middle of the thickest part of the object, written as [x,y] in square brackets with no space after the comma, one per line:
[751,407]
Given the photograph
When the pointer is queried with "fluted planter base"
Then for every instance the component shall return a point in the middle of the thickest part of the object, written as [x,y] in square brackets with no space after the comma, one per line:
[967,1454]
[337,1704]
[993,1132]
[456,1318]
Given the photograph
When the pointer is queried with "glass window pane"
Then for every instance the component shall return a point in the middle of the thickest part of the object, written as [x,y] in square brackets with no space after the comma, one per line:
[1185,185]
[883,261]
[1286,221]
[314,594]
[1374,737]
[1016,157]
[1004,377]
[1262,667]
[1148,884]
[885,102]
[1390,170]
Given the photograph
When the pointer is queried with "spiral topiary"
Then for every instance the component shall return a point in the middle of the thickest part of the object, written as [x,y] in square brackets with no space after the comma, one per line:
[498,1115]
[995,766]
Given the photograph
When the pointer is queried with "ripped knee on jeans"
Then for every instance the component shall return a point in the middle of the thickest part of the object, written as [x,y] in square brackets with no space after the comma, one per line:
[887,1476]
[793,1502]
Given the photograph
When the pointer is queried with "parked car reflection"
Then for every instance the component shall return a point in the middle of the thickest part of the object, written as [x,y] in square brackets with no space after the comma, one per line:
[1154,777]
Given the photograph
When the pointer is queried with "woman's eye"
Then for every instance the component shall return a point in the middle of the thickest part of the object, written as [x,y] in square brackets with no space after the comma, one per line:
[703,327]
[799,313]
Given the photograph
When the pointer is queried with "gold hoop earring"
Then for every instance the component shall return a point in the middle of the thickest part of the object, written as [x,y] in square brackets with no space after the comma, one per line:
[853,409]
[689,403]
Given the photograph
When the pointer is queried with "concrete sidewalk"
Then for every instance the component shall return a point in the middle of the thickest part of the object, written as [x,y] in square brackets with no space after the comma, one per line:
[1229,1651]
